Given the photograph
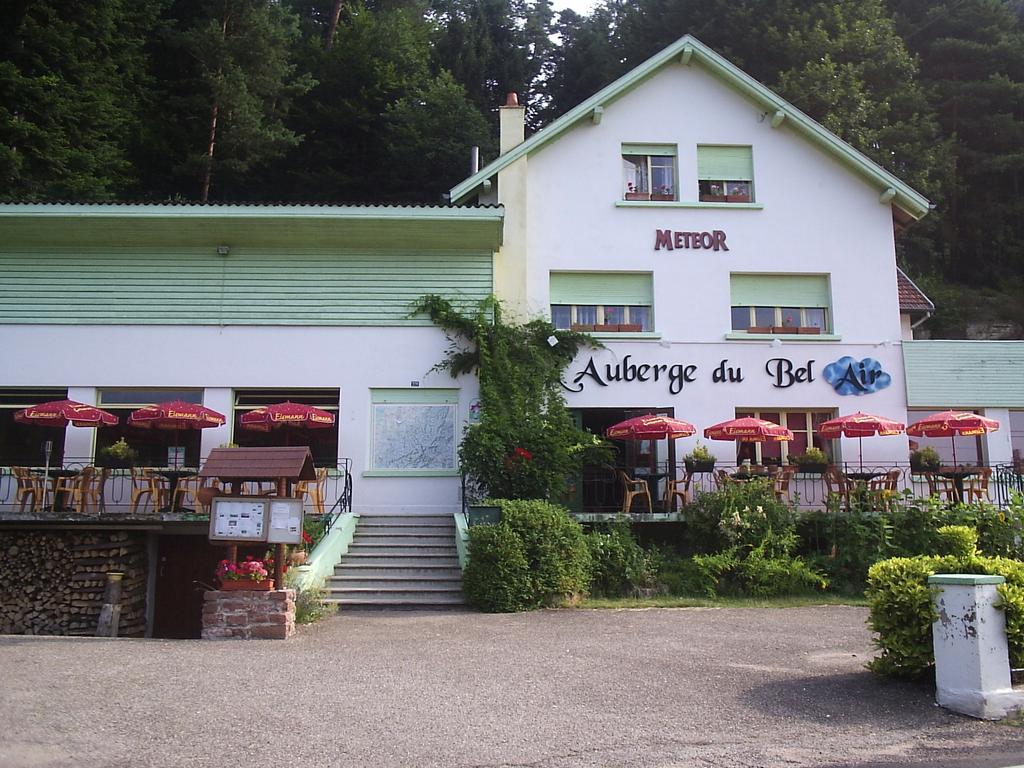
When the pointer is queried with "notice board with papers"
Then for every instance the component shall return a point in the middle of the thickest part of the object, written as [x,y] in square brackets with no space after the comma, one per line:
[285,525]
[238,518]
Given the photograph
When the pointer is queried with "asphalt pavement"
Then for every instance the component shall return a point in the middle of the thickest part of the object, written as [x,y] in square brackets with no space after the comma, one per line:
[731,687]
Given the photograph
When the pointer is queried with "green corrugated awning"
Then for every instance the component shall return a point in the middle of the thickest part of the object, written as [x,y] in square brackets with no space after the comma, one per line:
[719,163]
[611,288]
[779,290]
[414,396]
[964,374]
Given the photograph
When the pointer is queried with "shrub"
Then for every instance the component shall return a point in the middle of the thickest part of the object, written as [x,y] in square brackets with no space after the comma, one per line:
[619,564]
[740,515]
[901,610]
[309,602]
[536,556]
[925,460]
[497,577]
[757,573]
[555,548]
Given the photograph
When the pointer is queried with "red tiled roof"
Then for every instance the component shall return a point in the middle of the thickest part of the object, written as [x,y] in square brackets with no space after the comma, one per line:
[912,298]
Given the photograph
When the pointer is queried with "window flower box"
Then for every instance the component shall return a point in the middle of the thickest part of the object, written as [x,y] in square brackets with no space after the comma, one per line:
[630,327]
[737,198]
[713,198]
[759,329]
[584,327]
[662,197]
[606,328]
[805,330]
[784,329]
[638,195]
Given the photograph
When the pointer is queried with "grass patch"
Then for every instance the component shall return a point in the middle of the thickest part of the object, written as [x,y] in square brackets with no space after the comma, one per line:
[720,602]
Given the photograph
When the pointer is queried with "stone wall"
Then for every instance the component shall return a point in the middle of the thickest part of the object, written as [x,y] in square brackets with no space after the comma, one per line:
[248,615]
[52,582]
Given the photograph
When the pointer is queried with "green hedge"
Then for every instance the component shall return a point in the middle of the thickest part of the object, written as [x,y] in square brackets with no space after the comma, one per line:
[902,612]
[536,556]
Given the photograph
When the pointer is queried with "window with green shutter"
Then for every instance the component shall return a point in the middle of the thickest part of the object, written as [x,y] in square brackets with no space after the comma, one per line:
[725,174]
[606,302]
[649,171]
[780,303]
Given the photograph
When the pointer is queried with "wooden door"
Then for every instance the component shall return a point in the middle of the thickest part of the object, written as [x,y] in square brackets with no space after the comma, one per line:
[183,565]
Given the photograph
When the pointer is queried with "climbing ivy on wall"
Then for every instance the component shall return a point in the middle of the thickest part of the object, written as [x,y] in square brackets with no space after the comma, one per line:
[526,444]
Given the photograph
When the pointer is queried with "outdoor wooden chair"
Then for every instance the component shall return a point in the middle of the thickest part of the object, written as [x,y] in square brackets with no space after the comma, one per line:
[28,485]
[886,482]
[941,486]
[314,492]
[676,489]
[782,480]
[149,486]
[185,492]
[836,485]
[976,488]
[633,489]
[206,493]
[722,480]
[82,490]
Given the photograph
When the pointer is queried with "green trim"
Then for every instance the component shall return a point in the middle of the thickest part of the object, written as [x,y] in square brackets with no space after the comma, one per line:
[908,199]
[611,288]
[414,396]
[964,579]
[410,473]
[657,150]
[809,338]
[462,538]
[775,290]
[682,204]
[725,163]
[327,553]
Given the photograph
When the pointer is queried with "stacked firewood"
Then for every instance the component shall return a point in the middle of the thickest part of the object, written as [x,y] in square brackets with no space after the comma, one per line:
[52,583]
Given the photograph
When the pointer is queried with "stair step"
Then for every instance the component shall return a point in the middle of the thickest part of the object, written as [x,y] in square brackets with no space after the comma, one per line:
[348,604]
[401,560]
[388,540]
[415,520]
[401,549]
[395,582]
[407,530]
[428,569]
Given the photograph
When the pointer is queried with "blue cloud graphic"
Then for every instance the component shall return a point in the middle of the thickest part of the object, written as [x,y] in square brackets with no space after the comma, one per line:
[856,377]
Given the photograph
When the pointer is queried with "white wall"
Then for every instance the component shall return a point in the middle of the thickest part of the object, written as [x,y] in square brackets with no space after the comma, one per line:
[84,358]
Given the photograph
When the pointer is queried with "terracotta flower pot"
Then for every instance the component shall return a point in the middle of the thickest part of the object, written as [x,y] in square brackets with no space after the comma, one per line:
[230,585]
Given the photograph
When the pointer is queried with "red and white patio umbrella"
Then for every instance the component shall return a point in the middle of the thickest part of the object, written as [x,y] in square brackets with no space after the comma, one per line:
[651,426]
[60,413]
[860,425]
[749,430]
[176,415]
[950,424]
[286,414]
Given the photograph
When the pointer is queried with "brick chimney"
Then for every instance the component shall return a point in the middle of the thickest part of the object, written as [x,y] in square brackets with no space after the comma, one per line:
[512,126]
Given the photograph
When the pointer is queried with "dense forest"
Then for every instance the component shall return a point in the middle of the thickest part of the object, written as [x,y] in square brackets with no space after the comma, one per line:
[378,101]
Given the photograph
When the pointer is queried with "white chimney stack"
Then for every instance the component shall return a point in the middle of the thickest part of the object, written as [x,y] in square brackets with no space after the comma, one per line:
[512,126]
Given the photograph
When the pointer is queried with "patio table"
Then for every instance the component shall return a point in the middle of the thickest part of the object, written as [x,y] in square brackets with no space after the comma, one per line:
[173,476]
[957,475]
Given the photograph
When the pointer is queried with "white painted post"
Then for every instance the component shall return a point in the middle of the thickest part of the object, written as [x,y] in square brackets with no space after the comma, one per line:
[972,663]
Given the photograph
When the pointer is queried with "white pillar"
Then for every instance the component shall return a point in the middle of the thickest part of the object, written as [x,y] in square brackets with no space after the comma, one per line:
[972,663]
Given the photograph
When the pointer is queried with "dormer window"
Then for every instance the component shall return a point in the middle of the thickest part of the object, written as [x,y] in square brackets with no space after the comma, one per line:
[649,172]
[725,174]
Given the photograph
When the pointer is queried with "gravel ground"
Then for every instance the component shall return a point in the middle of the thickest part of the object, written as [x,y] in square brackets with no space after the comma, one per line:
[661,687]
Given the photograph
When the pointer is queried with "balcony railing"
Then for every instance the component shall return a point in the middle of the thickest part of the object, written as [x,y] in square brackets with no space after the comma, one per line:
[115,497]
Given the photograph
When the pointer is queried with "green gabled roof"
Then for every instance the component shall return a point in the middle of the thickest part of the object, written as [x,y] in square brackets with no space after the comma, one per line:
[689,50]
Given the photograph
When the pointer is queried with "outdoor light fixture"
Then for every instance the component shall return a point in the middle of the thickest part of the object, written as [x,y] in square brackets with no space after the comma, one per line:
[223,250]
[552,340]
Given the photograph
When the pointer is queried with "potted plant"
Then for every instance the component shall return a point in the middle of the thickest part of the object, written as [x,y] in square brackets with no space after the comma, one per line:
[739,193]
[700,459]
[663,193]
[715,193]
[634,193]
[250,574]
[812,461]
[118,455]
[925,460]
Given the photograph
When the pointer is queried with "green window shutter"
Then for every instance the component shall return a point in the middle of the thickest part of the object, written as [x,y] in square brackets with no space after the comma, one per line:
[650,149]
[725,163]
[612,288]
[779,291]
[414,396]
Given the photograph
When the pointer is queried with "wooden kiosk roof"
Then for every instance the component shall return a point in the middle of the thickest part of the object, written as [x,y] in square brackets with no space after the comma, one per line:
[259,464]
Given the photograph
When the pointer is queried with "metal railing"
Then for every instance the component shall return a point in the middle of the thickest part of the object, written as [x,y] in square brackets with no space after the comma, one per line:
[602,491]
[115,498]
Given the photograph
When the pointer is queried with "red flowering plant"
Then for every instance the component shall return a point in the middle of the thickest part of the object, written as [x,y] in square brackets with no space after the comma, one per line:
[249,569]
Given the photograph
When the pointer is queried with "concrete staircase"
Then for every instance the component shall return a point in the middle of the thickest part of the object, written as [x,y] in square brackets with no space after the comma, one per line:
[399,562]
